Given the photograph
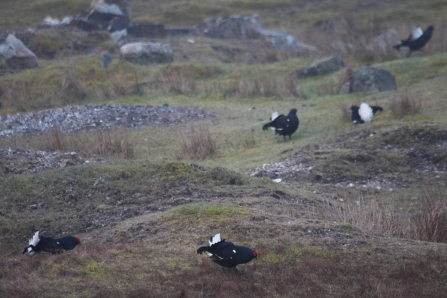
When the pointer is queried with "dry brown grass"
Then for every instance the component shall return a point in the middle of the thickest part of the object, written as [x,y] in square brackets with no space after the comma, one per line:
[263,85]
[406,103]
[431,221]
[345,111]
[176,78]
[111,143]
[427,223]
[198,144]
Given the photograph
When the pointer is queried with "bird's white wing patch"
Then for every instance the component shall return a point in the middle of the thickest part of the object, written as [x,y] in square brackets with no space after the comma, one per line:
[215,239]
[365,112]
[274,116]
[33,241]
[416,32]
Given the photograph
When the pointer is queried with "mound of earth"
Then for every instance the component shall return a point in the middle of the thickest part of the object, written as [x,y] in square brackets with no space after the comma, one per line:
[412,154]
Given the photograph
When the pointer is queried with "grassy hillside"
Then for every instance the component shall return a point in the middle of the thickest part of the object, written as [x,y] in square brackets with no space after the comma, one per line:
[360,210]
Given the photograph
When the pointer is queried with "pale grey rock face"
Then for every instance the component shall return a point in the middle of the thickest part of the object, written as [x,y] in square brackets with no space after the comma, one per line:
[324,66]
[369,78]
[145,53]
[17,55]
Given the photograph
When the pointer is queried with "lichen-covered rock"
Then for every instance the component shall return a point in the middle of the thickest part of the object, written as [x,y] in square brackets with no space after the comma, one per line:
[17,55]
[147,53]
[369,78]
[325,66]
[111,15]
[119,37]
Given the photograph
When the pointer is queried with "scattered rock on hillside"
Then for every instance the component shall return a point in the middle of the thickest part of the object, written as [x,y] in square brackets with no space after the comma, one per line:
[369,78]
[17,55]
[110,15]
[145,53]
[70,119]
[250,27]
[325,66]
[119,37]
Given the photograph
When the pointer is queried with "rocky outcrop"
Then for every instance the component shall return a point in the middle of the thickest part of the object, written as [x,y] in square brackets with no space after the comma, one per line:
[108,17]
[147,53]
[369,78]
[325,66]
[17,55]
[385,40]
[119,37]
[250,27]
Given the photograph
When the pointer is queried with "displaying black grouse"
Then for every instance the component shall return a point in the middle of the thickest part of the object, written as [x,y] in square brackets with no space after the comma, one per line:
[226,254]
[417,39]
[363,114]
[39,244]
[284,125]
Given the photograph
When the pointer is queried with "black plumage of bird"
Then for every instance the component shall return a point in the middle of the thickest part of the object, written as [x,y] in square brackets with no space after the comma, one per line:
[226,254]
[417,39]
[363,114]
[284,125]
[39,244]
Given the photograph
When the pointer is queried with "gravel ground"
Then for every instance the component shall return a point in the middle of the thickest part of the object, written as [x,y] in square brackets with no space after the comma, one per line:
[75,118]
[14,161]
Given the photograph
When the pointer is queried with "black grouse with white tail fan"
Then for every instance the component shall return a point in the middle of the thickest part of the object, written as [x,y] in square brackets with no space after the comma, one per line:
[417,39]
[39,244]
[363,114]
[226,254]
[283,125]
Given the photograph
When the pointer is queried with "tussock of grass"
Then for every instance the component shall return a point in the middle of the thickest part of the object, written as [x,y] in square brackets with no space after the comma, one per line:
[427,223]
[199,144]
[407,103]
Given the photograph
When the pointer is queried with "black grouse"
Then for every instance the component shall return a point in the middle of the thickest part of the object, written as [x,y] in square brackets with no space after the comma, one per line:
[363,114]
[284,125]
[417,39]
[226,254]
[39,244]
